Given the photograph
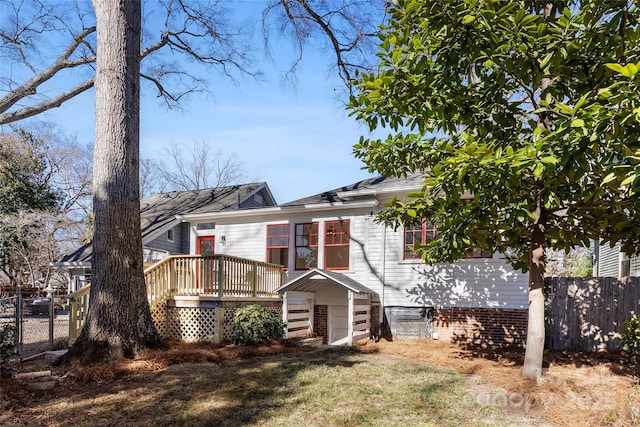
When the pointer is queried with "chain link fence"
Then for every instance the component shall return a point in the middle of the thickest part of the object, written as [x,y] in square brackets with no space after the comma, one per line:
[41,323]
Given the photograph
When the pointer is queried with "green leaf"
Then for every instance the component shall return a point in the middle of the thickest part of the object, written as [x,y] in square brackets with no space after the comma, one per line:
[577,123]
[607,179]
[615,67]
[546,60]
[468,19]
[628,180]
[537,133]
[538,170]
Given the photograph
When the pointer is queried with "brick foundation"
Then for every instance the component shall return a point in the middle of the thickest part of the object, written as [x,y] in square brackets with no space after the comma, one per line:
[481,326]
[320,322]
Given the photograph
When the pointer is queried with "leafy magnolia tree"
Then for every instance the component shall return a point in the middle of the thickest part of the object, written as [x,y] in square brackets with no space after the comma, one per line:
[524,127]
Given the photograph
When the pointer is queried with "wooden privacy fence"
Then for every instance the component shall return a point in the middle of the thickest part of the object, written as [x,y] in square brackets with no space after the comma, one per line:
[587,313]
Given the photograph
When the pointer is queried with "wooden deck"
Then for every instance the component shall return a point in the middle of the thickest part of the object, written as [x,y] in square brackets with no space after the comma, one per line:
[217,278]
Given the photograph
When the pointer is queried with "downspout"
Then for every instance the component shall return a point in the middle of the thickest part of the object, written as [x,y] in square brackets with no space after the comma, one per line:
[382,278]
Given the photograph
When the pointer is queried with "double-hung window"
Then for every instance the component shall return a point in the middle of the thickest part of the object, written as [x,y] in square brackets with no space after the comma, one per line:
[278,244]
[306,246]
[418,234]
[479,253]
[426,232]
[336,245]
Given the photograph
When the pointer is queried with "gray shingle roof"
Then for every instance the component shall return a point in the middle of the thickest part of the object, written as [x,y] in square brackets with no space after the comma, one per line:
[369,186]
[159,210]
[313,280]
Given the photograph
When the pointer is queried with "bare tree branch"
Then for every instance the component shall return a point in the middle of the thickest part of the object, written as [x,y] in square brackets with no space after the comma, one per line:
[45,105]
[30,87]
[202,167]
[196,30]
[347,27]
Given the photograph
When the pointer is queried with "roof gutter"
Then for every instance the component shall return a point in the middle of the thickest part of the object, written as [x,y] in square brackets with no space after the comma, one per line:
[71,264]
[377,191]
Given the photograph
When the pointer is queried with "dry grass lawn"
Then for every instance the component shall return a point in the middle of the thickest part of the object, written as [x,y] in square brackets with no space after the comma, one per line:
[578,389]
[402,383]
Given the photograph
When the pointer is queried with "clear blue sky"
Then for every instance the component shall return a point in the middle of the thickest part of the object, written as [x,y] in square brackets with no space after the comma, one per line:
[296,138]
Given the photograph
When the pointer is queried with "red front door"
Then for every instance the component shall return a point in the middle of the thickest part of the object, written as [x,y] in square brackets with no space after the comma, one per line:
[205,273]
[206,245]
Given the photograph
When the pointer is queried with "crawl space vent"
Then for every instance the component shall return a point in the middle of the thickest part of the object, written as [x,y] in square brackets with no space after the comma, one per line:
[410,322]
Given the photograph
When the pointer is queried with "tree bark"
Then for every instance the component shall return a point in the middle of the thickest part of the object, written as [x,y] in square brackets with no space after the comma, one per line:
[119,322]
[534,352]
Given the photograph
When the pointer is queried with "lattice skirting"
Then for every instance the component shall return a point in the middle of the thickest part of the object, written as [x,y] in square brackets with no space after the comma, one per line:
[206,324]
[158,315]
[191,324]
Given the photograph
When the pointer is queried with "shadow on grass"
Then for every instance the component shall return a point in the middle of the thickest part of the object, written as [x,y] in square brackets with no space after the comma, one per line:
[200,386]
[618,362]
[230,393]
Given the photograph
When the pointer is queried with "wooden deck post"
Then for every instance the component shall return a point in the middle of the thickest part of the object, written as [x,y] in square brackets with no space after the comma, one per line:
[350,319]
[220,275]
[218,329]
[254,279]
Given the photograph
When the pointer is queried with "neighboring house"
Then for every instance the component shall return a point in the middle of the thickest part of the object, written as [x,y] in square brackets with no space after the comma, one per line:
[611,262]
[341,263]
[480,298]
[164,231]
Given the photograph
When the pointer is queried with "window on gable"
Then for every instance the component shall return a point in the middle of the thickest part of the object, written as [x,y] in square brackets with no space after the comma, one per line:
[419,234]
[170,235]
[306,246]
[336,245]
[278,244]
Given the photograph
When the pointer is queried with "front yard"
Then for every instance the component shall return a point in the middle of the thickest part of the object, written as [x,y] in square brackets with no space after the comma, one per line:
[403,383]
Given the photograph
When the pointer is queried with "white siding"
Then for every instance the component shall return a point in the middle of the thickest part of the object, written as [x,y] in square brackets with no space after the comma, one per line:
[489,283]
[635,266]
[474,282]
[609,261]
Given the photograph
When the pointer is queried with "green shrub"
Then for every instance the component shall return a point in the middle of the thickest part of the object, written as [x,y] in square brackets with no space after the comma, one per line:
[7,344]
[255,325]
[631,335]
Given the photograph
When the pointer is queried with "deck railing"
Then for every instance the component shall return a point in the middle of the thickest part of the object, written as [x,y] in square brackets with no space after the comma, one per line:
[78,309]
[217,275]
[221,276]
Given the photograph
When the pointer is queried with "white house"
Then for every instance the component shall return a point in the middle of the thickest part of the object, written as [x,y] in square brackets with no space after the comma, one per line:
[353,273]
[480,298]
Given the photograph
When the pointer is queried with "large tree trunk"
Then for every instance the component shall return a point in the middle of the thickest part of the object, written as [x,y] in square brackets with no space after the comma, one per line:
[119,321]
[534,352]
